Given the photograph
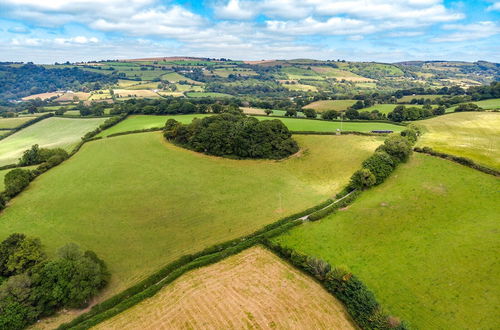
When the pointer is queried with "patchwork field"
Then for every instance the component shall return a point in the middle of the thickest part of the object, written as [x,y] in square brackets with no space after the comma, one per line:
[13,122]
[135,93]
[207,94]
[475,135]
[254,289]
[48,133]
[425,241]
[387,107]
[324,105]
[330,72]
[408,98]
[140,202]
[42,96]
[300,87]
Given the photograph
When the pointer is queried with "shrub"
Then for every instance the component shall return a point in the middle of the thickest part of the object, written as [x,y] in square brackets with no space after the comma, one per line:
[318,267]
[16,180]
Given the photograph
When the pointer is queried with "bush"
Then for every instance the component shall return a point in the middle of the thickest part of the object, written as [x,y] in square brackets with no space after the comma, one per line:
[16,180]
[35,155]
[468,107]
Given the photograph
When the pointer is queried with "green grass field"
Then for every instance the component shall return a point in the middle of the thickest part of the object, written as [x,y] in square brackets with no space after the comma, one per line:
[294,124]
[491,104]
[408,98]
[475,135]
[143,121]
[207,94]
[386,107]
[13,122]
[48,133]
[140,202]
[426,242]
[324,105]
[137,122]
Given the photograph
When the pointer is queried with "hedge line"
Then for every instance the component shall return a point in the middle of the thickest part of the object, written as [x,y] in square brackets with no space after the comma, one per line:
[458,159]
[336,120]
[359,301]
[147,287]
[346,200]
[341,133]
[152,129]
[26,124]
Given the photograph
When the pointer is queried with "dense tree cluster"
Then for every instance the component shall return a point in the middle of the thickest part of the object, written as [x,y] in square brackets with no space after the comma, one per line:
[233,135]
[468,107]
[36,155]
[31,79]
[35,286]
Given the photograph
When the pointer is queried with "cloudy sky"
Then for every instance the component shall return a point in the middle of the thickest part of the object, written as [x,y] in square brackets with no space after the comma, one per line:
[46,31]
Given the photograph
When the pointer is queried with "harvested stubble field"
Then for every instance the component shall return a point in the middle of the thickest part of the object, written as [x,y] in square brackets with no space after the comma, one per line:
[140,202]
[475,135]
[254,289]
[135,93]
[48,133]
[323,105]
[425,241]
[41,96]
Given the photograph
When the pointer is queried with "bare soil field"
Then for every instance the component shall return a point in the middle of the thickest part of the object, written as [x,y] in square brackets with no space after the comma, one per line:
[254,289]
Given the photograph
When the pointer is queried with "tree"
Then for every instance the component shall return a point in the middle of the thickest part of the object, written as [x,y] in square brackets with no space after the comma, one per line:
[440,110]
[268,111]
[398,147]
[362,179]
[16,180]
[352,114]
[381,165]
[26,255]
[30,156]
[330,115]
[310,113]
[291,113]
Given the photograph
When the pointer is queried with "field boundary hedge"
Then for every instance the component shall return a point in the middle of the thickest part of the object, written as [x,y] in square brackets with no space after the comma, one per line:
[458,159]
[152,284]
[26,124]
[335,133]
[358,300]
[337,120]
[144,130]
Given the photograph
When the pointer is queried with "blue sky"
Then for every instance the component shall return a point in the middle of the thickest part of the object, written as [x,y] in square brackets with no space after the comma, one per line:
[46,31]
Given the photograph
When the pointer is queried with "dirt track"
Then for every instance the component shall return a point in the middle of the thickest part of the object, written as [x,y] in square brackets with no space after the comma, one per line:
[254,289]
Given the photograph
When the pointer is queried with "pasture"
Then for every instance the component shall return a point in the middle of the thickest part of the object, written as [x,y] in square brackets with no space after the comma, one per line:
[475,135]
[207,94]
[135,93]
[388,107]
[300,87]
[425,241]
[300,124]
[253,289]
[138,122]
[323,105]
[9,123]
[491,104]
[48,133]
[140,202]
[338,74]
[408,98]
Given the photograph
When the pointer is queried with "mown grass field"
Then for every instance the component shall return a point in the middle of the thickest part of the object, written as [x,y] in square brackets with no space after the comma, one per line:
[475,135]
[13,122]
[323,105]
[426,242]
[48,133]
[140,202]
[137,122]
[254,289]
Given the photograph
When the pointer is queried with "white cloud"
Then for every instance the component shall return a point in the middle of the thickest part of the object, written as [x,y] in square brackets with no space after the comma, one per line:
[494,6]
[332,26]
[466,32]
[234,11]
[75,40]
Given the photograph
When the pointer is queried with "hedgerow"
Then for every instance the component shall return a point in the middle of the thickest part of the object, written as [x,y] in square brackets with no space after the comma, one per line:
[359,301]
